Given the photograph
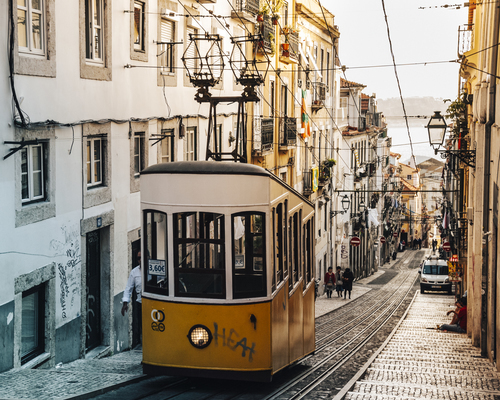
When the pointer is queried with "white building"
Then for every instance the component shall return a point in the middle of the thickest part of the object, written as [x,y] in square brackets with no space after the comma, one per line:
[91,94]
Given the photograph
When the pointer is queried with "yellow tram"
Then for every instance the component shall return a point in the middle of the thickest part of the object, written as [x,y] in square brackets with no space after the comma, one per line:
[228,285]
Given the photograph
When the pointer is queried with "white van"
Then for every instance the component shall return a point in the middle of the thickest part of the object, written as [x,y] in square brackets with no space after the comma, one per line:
[434,275]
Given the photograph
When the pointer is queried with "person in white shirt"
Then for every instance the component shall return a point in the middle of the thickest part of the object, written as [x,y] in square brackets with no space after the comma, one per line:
[134,282]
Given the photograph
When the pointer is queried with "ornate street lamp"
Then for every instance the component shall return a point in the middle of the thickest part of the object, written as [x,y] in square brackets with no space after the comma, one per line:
[345,206]
[437,130]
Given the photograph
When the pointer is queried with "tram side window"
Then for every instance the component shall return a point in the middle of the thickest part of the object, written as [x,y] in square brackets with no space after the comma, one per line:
[307,240]
[199,255]
[249,262]
[155,256]
[278,234]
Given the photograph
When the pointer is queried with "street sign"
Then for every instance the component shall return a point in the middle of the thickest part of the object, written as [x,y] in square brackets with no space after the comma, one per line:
[355,241]
[446,246]
[382,239]
[395,234]
[454,258]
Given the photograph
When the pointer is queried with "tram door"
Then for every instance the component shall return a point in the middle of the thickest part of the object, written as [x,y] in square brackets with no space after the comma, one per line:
[136,307]
[93,290]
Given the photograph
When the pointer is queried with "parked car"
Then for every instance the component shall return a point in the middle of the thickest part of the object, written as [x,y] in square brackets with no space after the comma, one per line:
[434,275]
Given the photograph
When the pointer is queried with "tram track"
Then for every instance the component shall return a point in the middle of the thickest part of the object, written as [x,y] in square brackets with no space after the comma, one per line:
[338,351]
[306,382]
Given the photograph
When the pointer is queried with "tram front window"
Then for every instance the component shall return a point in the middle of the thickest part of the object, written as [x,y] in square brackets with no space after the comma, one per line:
[155,256]
[249,278]
[199,254]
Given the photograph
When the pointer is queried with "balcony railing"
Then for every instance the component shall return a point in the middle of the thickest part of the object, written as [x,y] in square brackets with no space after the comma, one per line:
[246,10]
[288,131]
[319,95]
[268,40]
[308,182]
[263,134]
[465,38]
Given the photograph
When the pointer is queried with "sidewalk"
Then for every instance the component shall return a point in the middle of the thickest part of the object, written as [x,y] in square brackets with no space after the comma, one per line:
[418,361]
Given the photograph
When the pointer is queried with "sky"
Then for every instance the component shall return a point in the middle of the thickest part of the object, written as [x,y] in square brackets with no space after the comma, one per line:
[417,35]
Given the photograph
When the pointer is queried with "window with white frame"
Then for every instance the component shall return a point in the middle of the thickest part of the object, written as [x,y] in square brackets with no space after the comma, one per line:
[167,146]
[33,323]
[31,26]
[190,144]
[138,153]
[191,62]
[94,30]
[32,173]
[138,25]
[95,161]
[167,32]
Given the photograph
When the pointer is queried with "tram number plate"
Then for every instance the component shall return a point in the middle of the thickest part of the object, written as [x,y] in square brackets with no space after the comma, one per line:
[436,287]
[156,267]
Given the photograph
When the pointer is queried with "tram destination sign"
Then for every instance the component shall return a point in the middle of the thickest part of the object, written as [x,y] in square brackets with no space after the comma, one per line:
[355,241]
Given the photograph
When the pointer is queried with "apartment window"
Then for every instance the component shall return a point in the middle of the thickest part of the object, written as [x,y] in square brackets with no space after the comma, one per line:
[322,59]
[138,153]
[190,144]
[138,25]
[167,146]
[167,33]
[272,97]
[190,54]
[31,26]
[32,173]
[94,24]
[408,177]
[343,102]
[327,71]
[33,322]
[218,136]
[94,161]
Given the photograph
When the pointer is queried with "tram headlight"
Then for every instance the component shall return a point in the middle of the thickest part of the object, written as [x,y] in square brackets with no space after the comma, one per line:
[200,336]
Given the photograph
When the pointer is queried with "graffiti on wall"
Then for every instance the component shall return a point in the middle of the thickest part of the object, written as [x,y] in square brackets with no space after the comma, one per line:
[68,274]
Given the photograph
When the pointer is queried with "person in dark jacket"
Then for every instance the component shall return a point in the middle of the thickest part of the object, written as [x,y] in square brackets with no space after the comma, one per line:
[348,278]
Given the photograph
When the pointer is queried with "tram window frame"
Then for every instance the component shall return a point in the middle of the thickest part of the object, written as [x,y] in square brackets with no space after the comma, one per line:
[284,229]
[308,249]
[150,253]
[246,279]
[278,244]
[208,242]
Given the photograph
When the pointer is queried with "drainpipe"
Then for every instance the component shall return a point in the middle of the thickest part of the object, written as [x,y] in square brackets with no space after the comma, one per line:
[486,198]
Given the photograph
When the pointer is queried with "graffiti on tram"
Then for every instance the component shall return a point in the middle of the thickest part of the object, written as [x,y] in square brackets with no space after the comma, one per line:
[232,341]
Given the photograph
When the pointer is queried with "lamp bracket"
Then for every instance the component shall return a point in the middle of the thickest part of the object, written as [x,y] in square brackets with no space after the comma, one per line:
[467,157]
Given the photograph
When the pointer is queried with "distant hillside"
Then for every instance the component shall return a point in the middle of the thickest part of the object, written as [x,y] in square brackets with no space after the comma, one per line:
[414,106]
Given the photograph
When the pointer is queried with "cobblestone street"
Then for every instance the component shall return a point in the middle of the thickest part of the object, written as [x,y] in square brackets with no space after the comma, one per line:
[417,361]
[420,361]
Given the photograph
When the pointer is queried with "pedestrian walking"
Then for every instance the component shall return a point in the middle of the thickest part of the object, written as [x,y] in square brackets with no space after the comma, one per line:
[329,282]
[347,279]
[338,278]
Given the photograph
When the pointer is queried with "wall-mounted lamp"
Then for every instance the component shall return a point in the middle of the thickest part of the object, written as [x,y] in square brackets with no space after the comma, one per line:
[436,129]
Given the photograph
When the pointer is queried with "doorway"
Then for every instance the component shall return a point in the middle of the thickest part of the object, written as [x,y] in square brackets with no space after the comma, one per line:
[93,290]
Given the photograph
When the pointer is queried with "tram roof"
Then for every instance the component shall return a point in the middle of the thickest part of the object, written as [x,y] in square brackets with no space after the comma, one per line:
[205,167]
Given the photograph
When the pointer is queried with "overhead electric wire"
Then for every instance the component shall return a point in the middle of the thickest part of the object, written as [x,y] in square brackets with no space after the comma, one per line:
[397,79]
[284,84]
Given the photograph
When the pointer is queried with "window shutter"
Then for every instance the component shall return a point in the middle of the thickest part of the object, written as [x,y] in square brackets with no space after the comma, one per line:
[191,50]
